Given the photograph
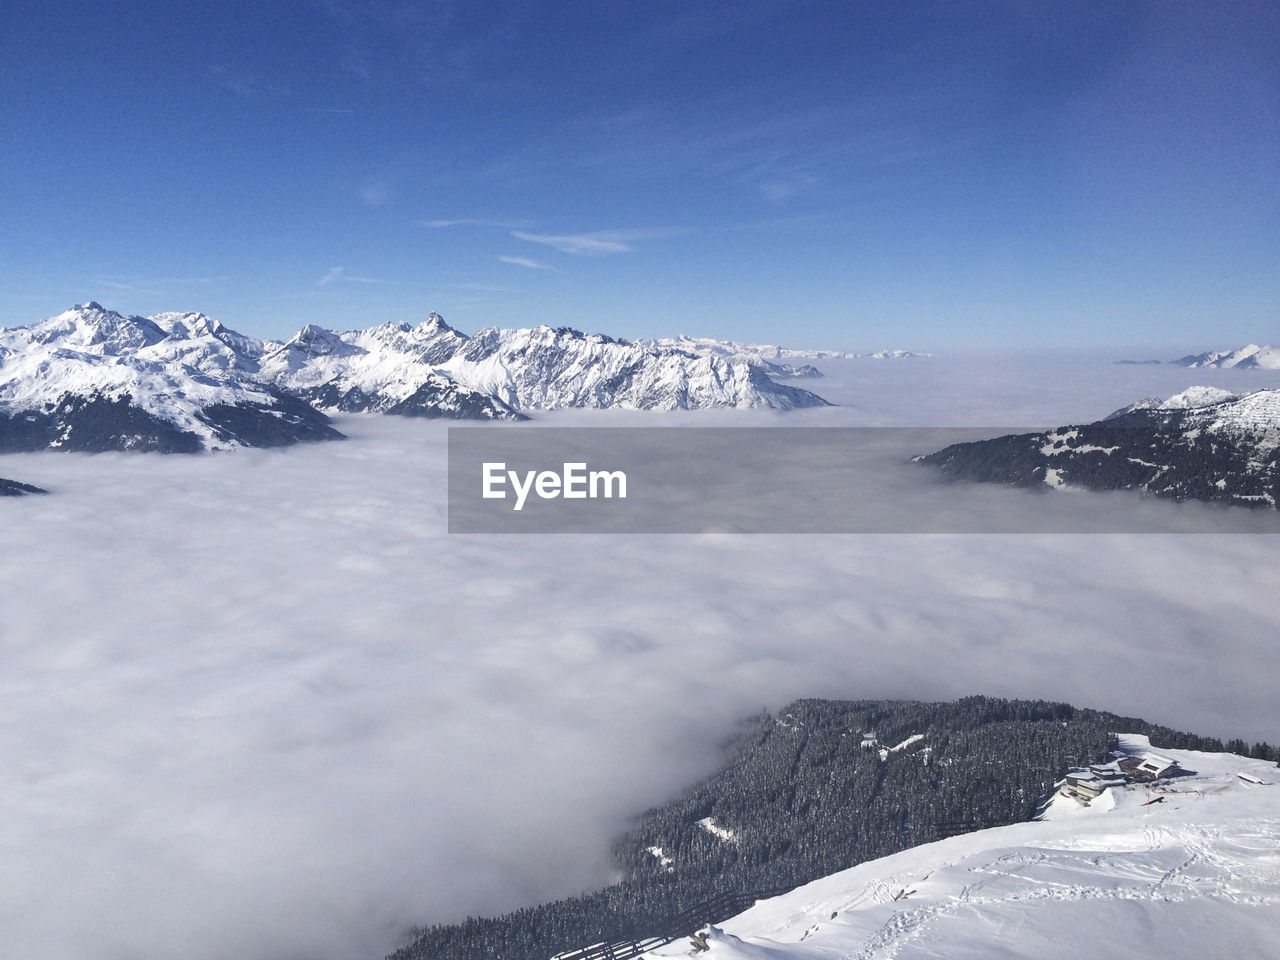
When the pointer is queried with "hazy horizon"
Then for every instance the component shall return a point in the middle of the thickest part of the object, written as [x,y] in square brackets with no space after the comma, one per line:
[1164,351]
[267,684]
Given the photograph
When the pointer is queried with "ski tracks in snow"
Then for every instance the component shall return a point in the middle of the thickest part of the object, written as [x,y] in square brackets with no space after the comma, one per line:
[1191,861]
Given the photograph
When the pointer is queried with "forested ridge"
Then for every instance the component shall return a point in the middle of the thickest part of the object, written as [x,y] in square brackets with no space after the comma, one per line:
[814,790]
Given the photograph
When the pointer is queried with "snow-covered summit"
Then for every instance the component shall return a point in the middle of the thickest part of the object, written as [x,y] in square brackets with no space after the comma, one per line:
[87,328]
[1188,399]
[172,366]
[92,379]
[534,368]
[1251,356]
[1186,867]
[776,361]
[1211,409]
[1200,444]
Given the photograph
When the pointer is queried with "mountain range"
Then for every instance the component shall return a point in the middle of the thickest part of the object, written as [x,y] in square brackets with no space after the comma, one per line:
[1203,444]
[1251,357]
[774,360]
[91,379]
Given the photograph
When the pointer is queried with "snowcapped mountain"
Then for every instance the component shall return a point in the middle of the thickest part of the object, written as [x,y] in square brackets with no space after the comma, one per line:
[773,359]
[1185,867]
[91,380]
[1201,444]
[499,372]
[204,344]
[1249,357]
[392,368]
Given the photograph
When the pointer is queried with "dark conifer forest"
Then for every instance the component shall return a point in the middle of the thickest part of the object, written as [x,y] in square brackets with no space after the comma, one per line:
[816,789]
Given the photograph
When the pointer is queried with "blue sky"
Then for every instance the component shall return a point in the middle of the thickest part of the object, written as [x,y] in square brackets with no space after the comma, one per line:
[856,175]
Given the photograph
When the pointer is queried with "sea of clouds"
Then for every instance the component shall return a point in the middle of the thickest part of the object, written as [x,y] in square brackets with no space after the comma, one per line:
[260,704]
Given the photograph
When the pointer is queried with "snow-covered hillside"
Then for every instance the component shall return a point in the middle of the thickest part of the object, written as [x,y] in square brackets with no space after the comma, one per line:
[1194,873]
[392,368]
[776,361]
[532,369]
[93,379]
[90,379]
[1248,357]
[1203,443]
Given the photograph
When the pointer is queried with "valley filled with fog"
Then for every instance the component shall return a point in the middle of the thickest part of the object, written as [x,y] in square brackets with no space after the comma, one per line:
[261,704]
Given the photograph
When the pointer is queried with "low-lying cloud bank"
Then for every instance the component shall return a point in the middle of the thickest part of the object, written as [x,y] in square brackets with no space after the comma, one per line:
[261,705]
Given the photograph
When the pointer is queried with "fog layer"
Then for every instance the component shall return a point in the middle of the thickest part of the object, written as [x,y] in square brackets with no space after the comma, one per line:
[261,705]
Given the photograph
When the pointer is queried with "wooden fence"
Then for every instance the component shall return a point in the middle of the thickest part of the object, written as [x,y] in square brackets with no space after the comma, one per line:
[683,924]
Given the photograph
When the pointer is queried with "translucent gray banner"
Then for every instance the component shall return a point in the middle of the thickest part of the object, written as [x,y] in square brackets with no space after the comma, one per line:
[533,479]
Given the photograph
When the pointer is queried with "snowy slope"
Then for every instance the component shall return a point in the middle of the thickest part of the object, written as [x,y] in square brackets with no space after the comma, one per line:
[537,368]
[774,360]
[205,344]
[542,368]
[390,368]
[1201,444]
[1248,357]
[91,379]
[1194,875]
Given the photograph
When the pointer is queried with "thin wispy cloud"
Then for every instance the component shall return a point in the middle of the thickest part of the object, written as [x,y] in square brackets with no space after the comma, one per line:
[151,285]
[374,193]
[781,189]
[476,222]
[527,262]
[580,244]
[245,83]
[340,275]
[479,287]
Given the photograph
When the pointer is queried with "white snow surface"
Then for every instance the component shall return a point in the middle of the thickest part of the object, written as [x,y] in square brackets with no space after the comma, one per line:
[538,368]
[1212,408]
[1196,397]
[89,350]
[1251,356]
[708,824]
[1194,875]
[705,346]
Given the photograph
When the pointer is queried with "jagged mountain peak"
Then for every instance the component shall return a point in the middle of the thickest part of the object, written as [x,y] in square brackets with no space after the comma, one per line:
[436,323]
[317,341]
[191,323]
[145,376]
[92,328]
[1191,398]
[1249,357]
[92,379]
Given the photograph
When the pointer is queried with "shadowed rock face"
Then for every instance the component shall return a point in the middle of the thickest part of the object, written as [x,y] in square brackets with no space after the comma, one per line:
[12,488]
[97,423]
[437,398]
[1224,450]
